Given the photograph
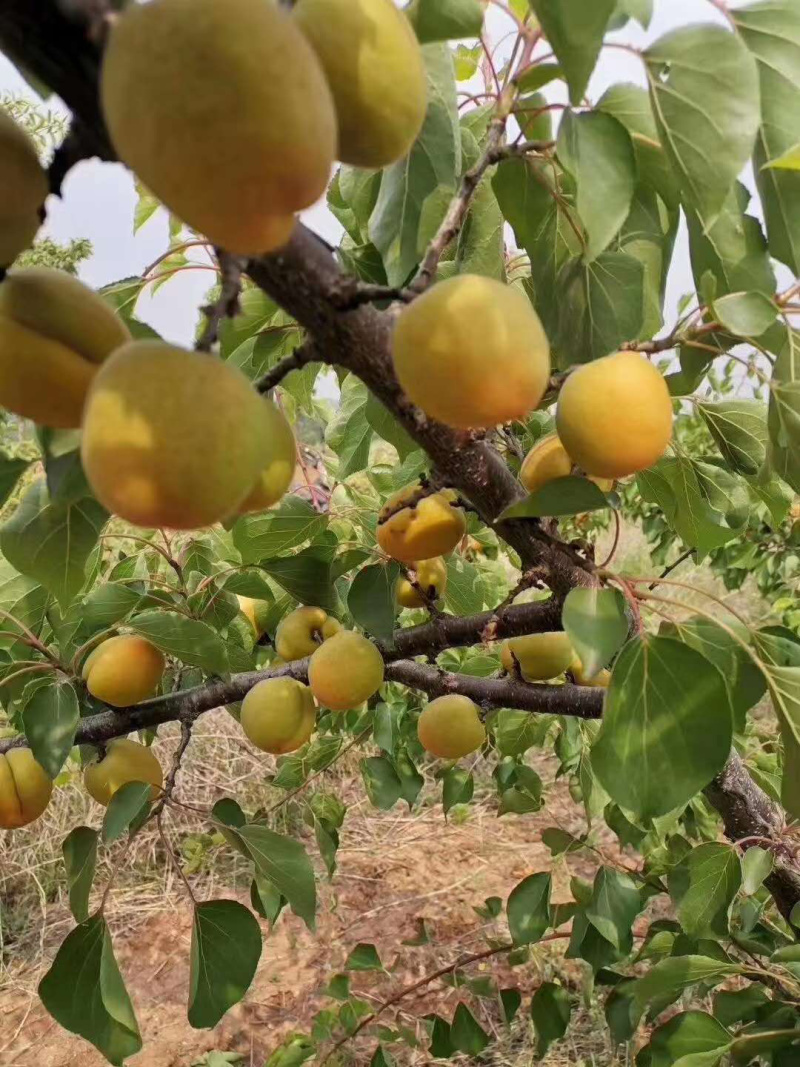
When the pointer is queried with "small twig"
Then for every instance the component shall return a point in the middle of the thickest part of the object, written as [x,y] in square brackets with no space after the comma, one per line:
[673,566]
[302,355]
[169,784]
[226,306]
[174,859]
[615,543]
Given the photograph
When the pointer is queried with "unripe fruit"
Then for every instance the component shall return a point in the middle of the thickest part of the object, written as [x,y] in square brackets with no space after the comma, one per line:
[172,438]
[431,576]
[472,352]
[125,761]
[278,715]
[450,727]
[276,477]
[422,529]
[548,460]
[253,610]
[25,789]
[614,416]
[374,67]
[123,670]
[345,671]
[23,190]
[54,333]
[302,631]
[540,656]
[222,110]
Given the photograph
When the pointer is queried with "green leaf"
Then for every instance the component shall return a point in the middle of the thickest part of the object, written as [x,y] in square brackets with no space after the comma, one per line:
[614,905]
[226,948]
[278,531]
[381,782]
[386,426]
[381,1058]
[648,235]
[52,542]
[364,957]
[445,20]
[667,727]
[691,1039]
[596,624]
[50,719]
[349,433]
[641,10]
[562,496]
[630,105]
[458,787]
[704,91]
[266,899]
[10,472]
[517,731]
[22,598]
[189,640]
[306,576]
[666,980]
[466,1033]
[411,781]
[481,243]
[338,987]
[575,30]
[128,807]
[783,419]
[80,859]
[538,76]
[702,888]
[757,864]
[790,160]
[745,314]
[739,429]
[510,1001]
[84,992]
[284,862]
[108,603]
[371,599]
[528,909]
[550,1012]
[597,151]
[464,593]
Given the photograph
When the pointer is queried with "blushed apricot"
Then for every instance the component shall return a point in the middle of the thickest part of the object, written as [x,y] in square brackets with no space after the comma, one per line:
[302,631]
[123,670]
[450,727]
[125,761]
[431,576]
[278,715]
[25,789]
[412,529]
[540,656]
[345,671]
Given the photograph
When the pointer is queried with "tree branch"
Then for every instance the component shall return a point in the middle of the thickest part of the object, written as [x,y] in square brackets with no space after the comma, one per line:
[227,303]
[304,354]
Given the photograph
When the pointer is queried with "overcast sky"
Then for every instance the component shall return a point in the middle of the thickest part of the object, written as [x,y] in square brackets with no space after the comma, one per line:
[99,198]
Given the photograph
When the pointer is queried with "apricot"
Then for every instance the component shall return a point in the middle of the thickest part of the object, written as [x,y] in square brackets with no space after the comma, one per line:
[54,333]
[24,190]
[601,680]
[276,477]
[224,112]
[548,460]
[278,715]
[172,438]
[614,416]
[302,631]
[24,789]
[253,610]
[123,670]
[431,576]
[426,527]
[125,761]
[540,656]
[471,352]
[450,727]
[345,671]
[374,67]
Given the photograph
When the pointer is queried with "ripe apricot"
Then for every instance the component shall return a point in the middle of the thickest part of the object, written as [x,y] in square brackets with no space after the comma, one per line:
[302,631]
[374,67]
[601,680]
[222,110]
[278,715]
[125,761]
[25,789]
[123,670]
[540,656]
[614,416]
[450,727]
[423,528]
[276,477]
[172,438]
[548,460]
[472,352]
[345,671]
[54,333]
[24,185]
[431,576]
[253,610]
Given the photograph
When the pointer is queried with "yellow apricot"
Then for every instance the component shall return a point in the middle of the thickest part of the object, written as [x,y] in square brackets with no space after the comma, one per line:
[253,610]
[302,631]
[472,352]
[431,576]
[345,671]
[424,528]
[540,656]
[54,332]
[614,416]
[222,110]
[123,670]
[125,761]
[276,477]
[601,680]
[278,715]
[25,789]
[374,67]
[172,438]
[24,186]
[548,460]
[450,727]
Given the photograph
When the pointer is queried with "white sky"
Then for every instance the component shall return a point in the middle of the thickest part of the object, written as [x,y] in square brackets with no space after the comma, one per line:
[99,198]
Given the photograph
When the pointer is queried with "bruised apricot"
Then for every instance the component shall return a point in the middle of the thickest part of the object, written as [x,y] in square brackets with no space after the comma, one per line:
[430,576]
[278,715]
[414,526]
[124,761]
[302,631]
[276,477]
[540,656]
[23,190]
[123,670]
[25,789]
[471,352]
[548,460]
[450,727]
[345,671]
[614,416]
